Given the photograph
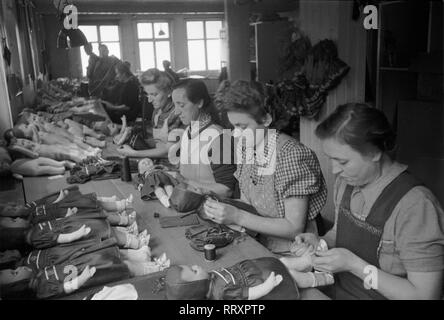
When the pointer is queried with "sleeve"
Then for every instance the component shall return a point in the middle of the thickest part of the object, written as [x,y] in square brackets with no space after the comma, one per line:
[298,173]
[47,288]
[419,231]
[43,238]
[223,169]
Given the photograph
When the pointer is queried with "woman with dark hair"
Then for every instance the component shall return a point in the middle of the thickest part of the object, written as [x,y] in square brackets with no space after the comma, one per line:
[202,145]
[388,237]
[277,175]
[158,87]
[122,97]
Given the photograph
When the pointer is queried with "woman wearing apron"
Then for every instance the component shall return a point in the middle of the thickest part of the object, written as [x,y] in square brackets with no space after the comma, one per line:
[388,237]
[158,87]
[202,144]
[284,183]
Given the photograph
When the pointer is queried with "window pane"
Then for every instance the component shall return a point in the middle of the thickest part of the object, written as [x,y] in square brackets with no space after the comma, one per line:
[196,55]
[162,52]
[161,30]
[145,30]
[146,51]
[96,48]
[109,33]
[213,29]
[114,48]
[213,54]
[195,30]
[90,32]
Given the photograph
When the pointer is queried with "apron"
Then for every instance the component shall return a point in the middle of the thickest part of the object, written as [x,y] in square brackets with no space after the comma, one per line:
[262,197]
[161,134]
[192,166]
[363,237]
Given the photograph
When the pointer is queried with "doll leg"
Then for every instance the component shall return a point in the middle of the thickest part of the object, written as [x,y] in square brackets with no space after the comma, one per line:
[52,171]
[129,241]
[162,196]
[143,254]
[123,219]
[117,205]
[311,279]
[94,142]
[301,264]
[90,132]
[139,268]
[107,199]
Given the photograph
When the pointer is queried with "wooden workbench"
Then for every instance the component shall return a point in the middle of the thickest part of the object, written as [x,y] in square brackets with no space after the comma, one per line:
[171,241]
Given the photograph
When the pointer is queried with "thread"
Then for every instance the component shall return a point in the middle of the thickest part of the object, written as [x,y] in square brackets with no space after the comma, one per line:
[210,252]
[125,173]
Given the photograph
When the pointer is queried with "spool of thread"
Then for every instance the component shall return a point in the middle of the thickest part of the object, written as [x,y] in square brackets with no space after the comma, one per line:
[125,173]
[210,252]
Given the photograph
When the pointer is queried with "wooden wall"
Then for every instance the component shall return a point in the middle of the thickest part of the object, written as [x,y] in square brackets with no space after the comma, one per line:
[332,20]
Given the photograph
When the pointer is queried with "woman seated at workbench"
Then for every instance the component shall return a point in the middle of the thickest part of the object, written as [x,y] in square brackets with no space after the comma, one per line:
[280,177]
[121,97]
[203,145]
[158,87]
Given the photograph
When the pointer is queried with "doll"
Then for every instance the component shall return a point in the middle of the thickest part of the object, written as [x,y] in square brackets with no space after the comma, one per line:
[301,268]
[56,152]
[124,134]
[156,181]
[247,280]
[40,166]
[92,269]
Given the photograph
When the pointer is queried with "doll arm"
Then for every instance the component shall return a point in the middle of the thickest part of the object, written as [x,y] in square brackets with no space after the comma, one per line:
[26,152]
[77,282]
[73,236]
[264,288]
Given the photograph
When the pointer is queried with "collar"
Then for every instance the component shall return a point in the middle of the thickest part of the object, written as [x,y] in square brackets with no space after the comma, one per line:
[372,191]
[204,122]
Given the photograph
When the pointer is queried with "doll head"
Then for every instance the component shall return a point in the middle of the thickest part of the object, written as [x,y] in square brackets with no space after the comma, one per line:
[14,284]
[13,210]
[10,276]
[145,165]
[9,255]
[187,283]
[8,222]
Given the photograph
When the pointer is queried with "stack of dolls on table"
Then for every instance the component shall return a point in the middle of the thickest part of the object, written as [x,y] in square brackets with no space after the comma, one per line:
[69,241]
[39,146]
[263,278]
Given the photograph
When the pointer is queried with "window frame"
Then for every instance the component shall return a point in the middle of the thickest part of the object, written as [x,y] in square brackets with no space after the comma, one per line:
[205,40]
[99,40]
[154,40]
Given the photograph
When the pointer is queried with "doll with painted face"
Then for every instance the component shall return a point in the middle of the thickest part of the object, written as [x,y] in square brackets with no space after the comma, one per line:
[265,278]
[300,265]
[91,225]
[156,182]
[93,269]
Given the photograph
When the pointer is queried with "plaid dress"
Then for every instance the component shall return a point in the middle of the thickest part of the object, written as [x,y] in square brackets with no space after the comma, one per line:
[295,173]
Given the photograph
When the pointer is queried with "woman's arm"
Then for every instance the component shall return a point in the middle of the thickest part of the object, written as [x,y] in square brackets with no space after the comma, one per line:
[121,107]
[417,285]
[161,151]
[288,227]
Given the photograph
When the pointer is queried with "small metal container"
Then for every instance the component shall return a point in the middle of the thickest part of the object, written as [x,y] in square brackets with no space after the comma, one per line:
[210,252]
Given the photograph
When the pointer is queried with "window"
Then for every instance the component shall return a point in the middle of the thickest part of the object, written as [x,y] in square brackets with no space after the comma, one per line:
[101,34]
[204,46]
[154,44]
